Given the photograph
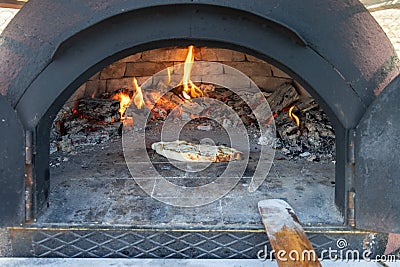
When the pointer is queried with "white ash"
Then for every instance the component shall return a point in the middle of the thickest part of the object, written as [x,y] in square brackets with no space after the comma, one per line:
[70,132]
[314,139]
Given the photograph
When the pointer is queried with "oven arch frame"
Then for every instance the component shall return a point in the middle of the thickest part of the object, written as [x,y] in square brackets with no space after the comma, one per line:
[87,48]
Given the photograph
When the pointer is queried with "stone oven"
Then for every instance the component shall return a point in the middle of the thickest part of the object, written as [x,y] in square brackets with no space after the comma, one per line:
[326,70]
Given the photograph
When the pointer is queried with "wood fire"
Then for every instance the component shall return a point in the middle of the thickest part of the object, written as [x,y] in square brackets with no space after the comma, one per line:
[186,89]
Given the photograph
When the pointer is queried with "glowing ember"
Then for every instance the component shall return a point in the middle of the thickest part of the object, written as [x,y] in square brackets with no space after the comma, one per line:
[293,116]
[271,118]
[190,90]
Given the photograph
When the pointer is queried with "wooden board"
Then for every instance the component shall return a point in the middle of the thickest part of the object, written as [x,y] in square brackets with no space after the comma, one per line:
[286,235]
[12,3]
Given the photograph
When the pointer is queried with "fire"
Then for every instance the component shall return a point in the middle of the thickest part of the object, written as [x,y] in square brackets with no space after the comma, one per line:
[125,99]
[169,75]
[153,99]
[293,116]
[163,107]
[137,95]
[124,102]
[94,93]
[190,90]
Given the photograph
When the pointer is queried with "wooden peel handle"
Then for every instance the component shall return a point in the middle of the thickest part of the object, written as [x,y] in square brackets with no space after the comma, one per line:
[287,237]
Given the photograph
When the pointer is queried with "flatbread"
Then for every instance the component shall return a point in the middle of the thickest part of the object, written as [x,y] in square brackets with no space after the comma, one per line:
[185,151]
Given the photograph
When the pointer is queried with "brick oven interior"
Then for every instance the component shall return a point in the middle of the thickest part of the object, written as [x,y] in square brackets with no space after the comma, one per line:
[91,183]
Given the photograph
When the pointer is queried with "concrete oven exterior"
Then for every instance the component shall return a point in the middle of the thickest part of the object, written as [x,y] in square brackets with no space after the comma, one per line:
[334,49]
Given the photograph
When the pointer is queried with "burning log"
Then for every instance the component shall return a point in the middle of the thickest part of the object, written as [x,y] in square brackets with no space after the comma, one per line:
[284,96]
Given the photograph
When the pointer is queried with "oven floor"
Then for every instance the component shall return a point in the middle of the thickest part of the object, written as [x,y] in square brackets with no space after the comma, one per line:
[97,188]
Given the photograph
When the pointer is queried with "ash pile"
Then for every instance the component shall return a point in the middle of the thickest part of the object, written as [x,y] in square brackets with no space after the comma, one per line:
[303,129]
[92,122]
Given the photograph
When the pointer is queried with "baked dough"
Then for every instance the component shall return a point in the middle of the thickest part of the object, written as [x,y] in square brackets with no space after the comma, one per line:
[185,151]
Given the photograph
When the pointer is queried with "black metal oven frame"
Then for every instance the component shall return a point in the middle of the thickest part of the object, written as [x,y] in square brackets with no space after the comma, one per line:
[334,49]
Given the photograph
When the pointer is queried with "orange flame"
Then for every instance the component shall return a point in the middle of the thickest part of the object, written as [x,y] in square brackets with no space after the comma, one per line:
[154,100]
[124,102]
[137,95]
[190,90]
[125,99]
[169,75]
[94,93]
[293,116]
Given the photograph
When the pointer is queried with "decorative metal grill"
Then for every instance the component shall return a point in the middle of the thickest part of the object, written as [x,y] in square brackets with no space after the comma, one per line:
[163,244]
[196,245]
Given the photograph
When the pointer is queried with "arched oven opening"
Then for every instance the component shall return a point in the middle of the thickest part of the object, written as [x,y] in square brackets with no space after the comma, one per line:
[93,180]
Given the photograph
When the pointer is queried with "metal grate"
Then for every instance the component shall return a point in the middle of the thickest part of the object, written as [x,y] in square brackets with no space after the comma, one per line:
[179,244]
[198,245]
